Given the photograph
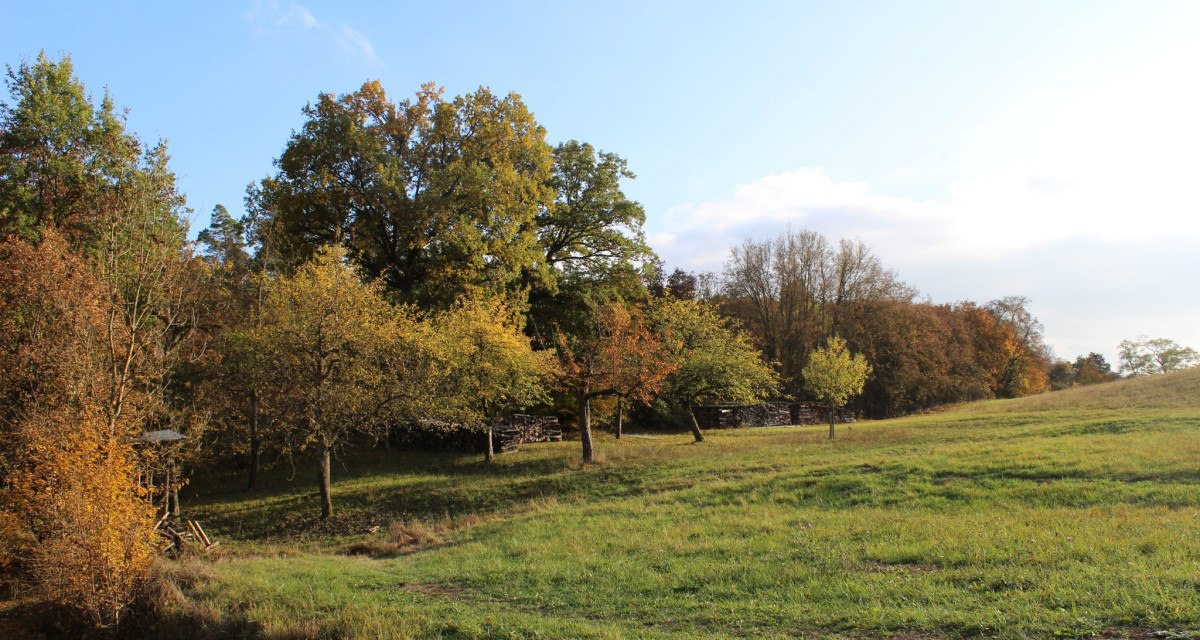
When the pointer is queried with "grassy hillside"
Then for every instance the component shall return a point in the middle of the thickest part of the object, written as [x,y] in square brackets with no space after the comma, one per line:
[1075,514]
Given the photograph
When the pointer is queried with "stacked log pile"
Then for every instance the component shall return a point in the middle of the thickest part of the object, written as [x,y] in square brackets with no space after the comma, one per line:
[767,414]
[817,413]
[714,416]
[535,428]
[524,429]
[435,435]
[771,414]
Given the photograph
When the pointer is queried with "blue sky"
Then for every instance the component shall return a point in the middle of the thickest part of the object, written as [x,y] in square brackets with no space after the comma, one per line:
[982,149]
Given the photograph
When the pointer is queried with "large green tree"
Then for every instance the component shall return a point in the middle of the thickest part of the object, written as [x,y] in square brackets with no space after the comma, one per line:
[595,251]
[717,363]
[593,227]
[68,163]
[437,197]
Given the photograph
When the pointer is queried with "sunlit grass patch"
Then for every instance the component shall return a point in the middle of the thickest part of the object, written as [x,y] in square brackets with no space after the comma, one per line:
[1031,518]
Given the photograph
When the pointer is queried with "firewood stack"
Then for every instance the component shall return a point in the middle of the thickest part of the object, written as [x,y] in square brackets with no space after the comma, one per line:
[767,414]
[524,429]
[435,435]
[536,428]
[817,413]
[715,416]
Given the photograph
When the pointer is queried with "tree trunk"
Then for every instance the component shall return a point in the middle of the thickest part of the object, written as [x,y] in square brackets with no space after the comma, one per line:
[585,426]
[620,415]
[167,492]
[490,453]
[255,444]
[695,424]
[323,480]
[831,421]
[174,495]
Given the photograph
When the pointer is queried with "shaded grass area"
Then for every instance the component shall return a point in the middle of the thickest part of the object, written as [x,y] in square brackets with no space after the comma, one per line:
[1052,516]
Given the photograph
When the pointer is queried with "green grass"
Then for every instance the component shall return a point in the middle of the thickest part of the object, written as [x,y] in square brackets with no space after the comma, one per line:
[1074,514]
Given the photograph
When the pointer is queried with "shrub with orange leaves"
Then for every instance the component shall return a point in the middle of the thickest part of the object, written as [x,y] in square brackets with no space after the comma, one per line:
[88,541]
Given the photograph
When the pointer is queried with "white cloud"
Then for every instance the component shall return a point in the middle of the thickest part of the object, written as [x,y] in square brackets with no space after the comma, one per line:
[1111,173]
[273,16]
[1118,161]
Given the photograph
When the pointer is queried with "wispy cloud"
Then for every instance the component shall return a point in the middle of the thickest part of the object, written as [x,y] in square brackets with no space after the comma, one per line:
[274,16]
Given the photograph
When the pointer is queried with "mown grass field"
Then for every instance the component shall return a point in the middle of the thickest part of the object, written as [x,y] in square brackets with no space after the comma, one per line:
[1074,514]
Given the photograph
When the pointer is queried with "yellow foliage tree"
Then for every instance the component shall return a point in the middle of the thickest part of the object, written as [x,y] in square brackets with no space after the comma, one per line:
[834,375]
[487,362]
[335,359]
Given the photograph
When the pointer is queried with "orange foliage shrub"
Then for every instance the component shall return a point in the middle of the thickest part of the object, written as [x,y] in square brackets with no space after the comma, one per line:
[89,529]
[74,520]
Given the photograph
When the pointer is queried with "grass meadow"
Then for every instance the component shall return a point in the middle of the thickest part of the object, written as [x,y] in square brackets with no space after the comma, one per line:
[1074,514]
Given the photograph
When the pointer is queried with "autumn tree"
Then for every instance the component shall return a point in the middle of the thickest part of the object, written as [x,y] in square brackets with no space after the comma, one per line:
[778,286]
[833,375]
[108,224]
[716,362]
[681,284]
[51,323]
[1060,375]
[1092,369]
[437,197]
[486,364]
[637,359]
[1023,355]
[89,530]
[70,479]
[336,359]
[618,355]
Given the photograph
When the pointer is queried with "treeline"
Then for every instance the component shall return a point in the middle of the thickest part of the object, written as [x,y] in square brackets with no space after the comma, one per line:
[794,292]
[432,261]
